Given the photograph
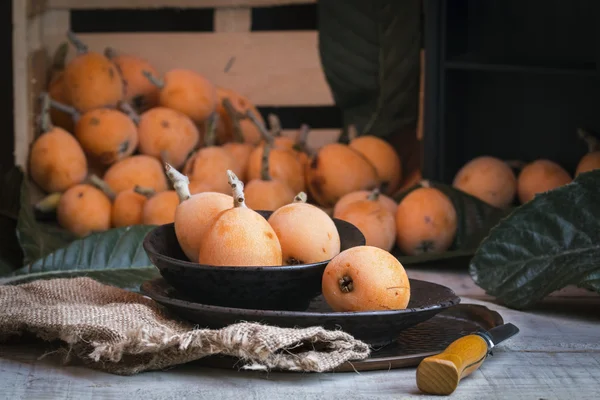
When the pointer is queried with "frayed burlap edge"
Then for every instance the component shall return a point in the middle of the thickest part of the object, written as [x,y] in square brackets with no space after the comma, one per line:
[160,341]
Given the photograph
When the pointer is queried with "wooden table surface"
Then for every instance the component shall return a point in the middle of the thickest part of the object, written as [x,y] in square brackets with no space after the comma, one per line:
[556,355]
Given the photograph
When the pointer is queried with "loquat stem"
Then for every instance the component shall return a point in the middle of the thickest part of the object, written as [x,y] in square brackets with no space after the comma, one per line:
[374,195]
[264,171]
[66,109]
[156,81]
[81,47]
[59,59]
[592,142]
[45,120]
[237,189]
[128,109]
[229,64]
[238,136]
[181,183]
[144,191]
[352,132]
[210,135]
[48,203]
[110,53]
[261,127]
[302,135]
[100,184]
[301,198]
[275,124]
[425,183]
[164,157]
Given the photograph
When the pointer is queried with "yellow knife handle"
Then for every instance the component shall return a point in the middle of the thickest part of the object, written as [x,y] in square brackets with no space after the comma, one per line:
[441,373]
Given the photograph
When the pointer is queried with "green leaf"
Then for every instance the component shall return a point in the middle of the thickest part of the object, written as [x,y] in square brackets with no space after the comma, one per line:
[546,244]
[128,279]
[369,52]
[119,248]
[11,256]
[475,219]
[37,239]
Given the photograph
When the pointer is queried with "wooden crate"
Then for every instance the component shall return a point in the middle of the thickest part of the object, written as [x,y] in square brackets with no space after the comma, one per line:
[272,68]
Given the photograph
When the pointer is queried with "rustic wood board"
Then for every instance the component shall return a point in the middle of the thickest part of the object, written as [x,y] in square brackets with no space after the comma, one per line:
[551,358]
[556,355]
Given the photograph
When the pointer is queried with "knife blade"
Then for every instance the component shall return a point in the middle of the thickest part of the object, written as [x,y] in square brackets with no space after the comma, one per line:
[440,374]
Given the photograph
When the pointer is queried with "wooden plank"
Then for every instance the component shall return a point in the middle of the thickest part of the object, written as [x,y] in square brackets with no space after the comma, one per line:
[270,68]
[20,60]
[34,7]
[505,375]
[91,4]
[232,19]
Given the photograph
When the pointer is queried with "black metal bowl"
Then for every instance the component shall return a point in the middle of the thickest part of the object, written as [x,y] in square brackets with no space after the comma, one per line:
[289,287]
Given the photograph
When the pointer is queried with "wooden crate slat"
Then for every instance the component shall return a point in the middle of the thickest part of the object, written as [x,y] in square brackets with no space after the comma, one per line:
[233,19]
[270,68]
[131,4]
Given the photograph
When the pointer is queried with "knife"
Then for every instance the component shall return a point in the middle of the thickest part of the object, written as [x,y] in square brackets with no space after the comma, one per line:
[440,374]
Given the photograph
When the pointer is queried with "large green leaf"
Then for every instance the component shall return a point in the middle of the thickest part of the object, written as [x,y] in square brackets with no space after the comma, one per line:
[119,248]
[370,56]
[11,256]
[544,245]
[37,239]
[129,279]
[475,219]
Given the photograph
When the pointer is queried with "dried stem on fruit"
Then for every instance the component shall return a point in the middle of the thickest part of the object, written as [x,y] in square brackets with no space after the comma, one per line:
[352,132]
[264,171]
[110,53]
[144,191]
[100,184]
[229,64]
[59,60]
[45,120]
[131,113]
[374,195]
[235,117]
[210,137]
[81,47]
[237,189]
[425,183]
[592,142]
[48,203]
[156,81]
[301,198]
[181,183]
[275,124]
[261,127]
[66,109]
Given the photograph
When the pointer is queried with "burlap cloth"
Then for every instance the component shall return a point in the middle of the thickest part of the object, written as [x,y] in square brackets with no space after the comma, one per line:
[125,333]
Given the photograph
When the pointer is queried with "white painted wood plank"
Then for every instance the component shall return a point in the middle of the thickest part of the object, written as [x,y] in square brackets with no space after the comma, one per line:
[270,68]
[555,356]
[506,375]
